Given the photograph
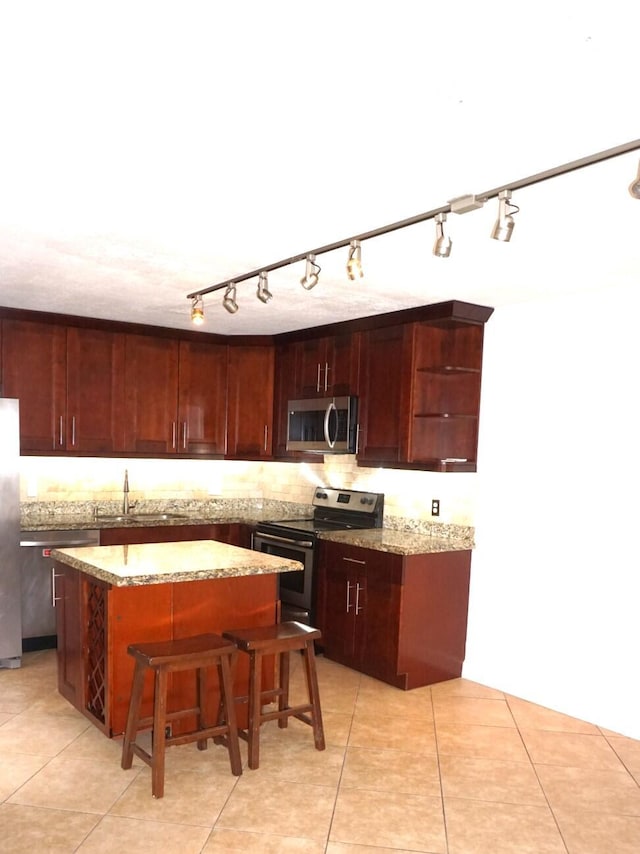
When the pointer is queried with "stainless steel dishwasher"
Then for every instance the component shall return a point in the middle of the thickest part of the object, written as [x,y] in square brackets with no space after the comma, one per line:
[36,582]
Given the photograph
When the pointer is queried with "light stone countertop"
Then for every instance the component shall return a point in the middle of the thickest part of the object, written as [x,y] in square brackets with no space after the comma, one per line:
[396,542]
[163,563]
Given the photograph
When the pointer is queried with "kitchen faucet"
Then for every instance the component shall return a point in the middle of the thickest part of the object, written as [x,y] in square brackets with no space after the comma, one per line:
[125,501]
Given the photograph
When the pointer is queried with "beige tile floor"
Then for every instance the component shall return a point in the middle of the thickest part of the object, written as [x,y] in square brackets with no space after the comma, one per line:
[454,768]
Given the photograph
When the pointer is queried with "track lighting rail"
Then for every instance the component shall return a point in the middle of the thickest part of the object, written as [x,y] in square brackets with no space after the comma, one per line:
[475,202]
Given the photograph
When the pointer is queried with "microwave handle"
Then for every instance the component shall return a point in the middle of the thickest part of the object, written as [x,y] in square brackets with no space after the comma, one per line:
[327,415]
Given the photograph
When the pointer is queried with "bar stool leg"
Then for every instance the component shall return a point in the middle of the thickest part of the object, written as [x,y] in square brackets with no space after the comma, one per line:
[204,715]
[309,658]
[255,708]
[283,699]
[131,728]
[159,733]
[228,705]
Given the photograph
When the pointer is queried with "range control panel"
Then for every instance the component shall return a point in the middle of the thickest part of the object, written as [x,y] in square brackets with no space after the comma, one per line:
[347,499]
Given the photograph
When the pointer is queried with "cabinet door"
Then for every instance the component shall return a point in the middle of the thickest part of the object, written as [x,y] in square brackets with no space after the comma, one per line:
[329,366]
[339,620]
[384,414]
[151,389]
[34,367]
[95,391]
[69,631]
[202,398]
[250,402]
[379,606]
[313,367]
[343,352]
[287,388]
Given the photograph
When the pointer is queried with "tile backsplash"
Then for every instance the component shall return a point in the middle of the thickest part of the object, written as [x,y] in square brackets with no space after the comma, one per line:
[408,494]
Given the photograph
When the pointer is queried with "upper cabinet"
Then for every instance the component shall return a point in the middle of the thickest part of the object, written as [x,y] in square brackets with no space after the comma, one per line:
[250,402]
[309,368]
[175,396]
[69,383]
[202,397]
[151,388]
[420,385]
[328,367]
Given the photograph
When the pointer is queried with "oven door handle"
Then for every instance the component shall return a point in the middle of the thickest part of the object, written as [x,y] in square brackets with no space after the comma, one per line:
[303,544]
[327,415]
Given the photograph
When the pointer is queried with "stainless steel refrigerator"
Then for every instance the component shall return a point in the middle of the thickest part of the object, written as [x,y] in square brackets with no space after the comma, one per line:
[10,614]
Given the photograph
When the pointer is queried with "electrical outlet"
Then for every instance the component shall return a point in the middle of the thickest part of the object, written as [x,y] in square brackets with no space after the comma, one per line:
[435,506]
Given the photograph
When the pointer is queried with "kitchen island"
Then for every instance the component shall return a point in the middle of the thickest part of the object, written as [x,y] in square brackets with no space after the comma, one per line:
[110,596]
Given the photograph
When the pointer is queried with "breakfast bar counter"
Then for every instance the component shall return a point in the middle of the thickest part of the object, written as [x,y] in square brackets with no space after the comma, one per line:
[110,596]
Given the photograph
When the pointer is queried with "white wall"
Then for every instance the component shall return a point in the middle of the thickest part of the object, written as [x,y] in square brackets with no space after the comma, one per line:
[554,613]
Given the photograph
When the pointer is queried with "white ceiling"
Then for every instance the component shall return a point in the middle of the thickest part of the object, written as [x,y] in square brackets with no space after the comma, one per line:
[150,149]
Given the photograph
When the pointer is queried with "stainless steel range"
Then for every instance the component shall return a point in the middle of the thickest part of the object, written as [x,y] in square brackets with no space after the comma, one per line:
[296,539]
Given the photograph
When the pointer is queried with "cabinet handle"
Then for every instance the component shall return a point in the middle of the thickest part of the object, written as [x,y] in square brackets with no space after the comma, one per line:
[326,376]
[266,436]
[353,560]
[60,434]
[173,435]
[348,598]
[358,589]
[73,431]
[357,438]
[318,378]
[54,598]
[184,435]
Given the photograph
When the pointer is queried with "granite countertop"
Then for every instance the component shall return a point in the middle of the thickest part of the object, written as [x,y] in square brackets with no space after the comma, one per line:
[396,541]
[162,563]
[77,516]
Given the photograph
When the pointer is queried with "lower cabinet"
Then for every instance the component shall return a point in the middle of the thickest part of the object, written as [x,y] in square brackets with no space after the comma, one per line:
[67,600]
[399,618]
[234,533]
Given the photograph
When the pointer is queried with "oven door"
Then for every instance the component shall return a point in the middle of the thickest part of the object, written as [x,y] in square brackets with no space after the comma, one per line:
[295,588]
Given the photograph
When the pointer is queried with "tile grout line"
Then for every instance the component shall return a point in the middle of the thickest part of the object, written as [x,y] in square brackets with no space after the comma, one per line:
[535,771]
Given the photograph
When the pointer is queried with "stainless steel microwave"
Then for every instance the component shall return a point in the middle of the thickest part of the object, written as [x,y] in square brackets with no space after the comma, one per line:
[323,425]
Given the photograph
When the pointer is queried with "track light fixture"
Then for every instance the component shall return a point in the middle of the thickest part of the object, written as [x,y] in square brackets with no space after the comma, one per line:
[503,228]
[354,263]
[263,293]
[311,273]
[229,299]
[442,246]
[634,188]
[197,310]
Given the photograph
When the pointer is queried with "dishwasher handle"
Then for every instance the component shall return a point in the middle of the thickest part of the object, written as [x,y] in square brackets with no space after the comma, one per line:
[53,543]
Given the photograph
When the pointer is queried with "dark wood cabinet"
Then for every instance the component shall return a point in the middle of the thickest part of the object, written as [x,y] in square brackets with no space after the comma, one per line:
[328,366]
[420,386]
[175,395]
[234,533]
[384,389]
[34,371]
[70,385]
[401,619]
[202,398]
[250,402]
[95,391]
[67,601]
[151,389]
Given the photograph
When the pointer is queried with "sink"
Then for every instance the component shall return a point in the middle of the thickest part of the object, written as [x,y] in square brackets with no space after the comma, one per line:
[108,517]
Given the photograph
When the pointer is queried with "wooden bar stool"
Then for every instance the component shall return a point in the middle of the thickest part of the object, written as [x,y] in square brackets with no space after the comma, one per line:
[196,653]
[278,640]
